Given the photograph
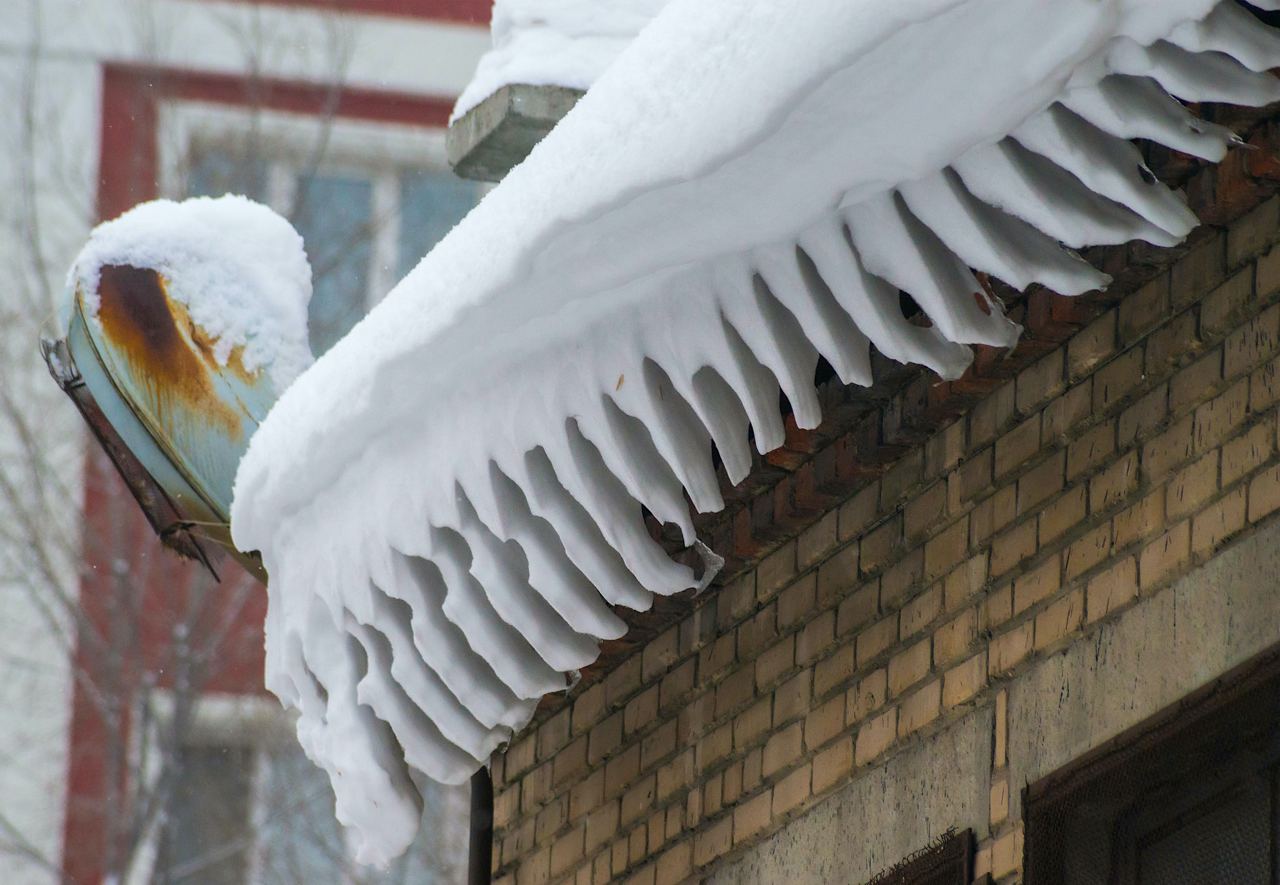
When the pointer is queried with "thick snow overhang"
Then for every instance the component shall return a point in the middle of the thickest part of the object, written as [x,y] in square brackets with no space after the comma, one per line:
[451,504]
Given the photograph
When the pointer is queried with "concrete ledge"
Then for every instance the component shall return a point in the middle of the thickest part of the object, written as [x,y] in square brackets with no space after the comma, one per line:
[496,135]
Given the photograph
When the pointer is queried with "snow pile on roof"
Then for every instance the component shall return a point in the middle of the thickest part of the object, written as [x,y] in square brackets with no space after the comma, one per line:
[238,267]
[450,502]
[554,43]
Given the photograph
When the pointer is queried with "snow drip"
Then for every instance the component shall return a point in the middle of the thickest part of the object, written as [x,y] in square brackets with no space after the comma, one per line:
[452,502]
[554,43]
[238,267]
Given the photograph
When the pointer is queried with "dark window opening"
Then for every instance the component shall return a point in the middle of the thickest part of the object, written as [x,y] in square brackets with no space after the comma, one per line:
[1188,796]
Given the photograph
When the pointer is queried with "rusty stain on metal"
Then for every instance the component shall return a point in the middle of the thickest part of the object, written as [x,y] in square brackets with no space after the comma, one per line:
[162,344]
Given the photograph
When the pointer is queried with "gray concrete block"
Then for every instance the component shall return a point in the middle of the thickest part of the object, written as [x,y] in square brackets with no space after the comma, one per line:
[496,135]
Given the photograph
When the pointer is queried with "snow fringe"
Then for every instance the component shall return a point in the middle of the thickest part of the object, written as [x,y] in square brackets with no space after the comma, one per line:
[417,633]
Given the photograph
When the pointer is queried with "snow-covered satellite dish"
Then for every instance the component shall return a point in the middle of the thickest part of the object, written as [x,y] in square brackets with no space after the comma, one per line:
[450,502]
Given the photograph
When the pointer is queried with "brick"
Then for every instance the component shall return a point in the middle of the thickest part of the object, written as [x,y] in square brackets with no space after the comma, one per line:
[900,477]
[1093,448]
[868,696]
[876,736]
[1196,382]
[1171,345]
[732,783]
[659,743]
[536,787]
[716,658]
[1091,345]
[797,602]
[879,544]
[1114,381]
[1165,556]
[999,802]
[712,841]
[975,474]
[996,608]
[791,699]
[751,817]
[1063,415]
[782,748]
[1267,280]
[570,762]
[961,585]
[1138,421]
[1141,520]
[858,512]
[954,639]
[622,682]
[535,869]
[832,765]
[1199,270]
[1089,550]
[991,415]
[775,661]
[901,579]
[833,671]
[1000,740]
[816,637]
[761,630]
[601,825]
[1037,585]
[920,612]
[1252,234]
[993,514]
[551,818]
[1040,381]
[1063,514]
[520,756]
[962,682]
[1006,854]
[1060,618]
[676,775]
[876,639]
[1264,386]
[586,794]
[640,711]
[925,510]
[566,852]
[791,792]
[1192,486]
[920,708]
[1225,306]
[1218,522]
[1264,494]
[733,603]
[675,864]
[776,571]
[1143,310]
[908,667]
[1009,649]
[1114,484]
[824,722]
[1016,447]
[1168,450]
[1248,452]
[1011,548]
[734,691]
[858,609]
[676,686]
[1218,419]
[946,550]
[837,575]
[1041,482]
[817,540]
[638,800]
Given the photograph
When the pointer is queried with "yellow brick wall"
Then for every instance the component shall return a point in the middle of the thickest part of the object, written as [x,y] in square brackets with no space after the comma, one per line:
[1081,488]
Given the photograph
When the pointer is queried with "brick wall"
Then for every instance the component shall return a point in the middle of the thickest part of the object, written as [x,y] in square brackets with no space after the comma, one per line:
[1080,489]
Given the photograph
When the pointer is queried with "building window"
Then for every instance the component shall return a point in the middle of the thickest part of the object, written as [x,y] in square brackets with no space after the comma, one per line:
[949,861]
[364,226]
[1188,796]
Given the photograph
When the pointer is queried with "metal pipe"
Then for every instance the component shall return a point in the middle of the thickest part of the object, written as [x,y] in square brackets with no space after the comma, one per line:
[480,850]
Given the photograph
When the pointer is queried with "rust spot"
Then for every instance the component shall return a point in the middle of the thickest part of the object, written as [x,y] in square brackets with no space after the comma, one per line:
[165,350]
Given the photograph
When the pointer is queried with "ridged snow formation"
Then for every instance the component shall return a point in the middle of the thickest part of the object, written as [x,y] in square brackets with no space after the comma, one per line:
[450,501]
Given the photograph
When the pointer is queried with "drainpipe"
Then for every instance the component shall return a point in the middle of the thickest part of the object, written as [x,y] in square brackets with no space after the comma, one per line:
[480,849]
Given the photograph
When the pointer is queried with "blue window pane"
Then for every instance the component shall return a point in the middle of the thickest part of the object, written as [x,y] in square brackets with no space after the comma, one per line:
[431,203]
[335,220]
[217,172]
